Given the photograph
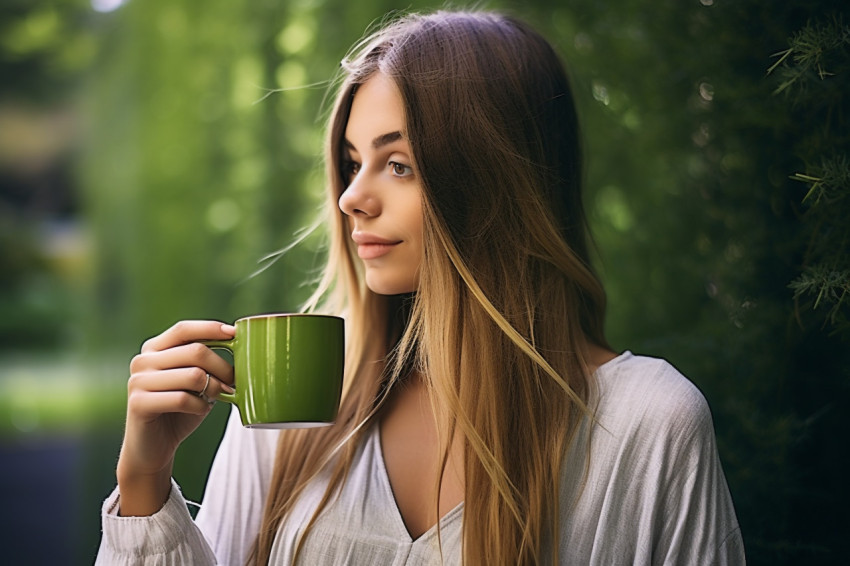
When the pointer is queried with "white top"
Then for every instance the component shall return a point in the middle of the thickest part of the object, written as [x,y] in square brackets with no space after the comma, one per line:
[654,494]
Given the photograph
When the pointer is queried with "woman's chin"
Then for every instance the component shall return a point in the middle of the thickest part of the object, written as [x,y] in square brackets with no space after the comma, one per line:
[381,286]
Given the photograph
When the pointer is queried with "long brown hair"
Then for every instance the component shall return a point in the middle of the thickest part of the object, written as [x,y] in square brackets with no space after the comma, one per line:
[506,301]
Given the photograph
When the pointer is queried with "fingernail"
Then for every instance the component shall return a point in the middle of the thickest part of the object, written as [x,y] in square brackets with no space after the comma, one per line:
[227,389]
[228,328]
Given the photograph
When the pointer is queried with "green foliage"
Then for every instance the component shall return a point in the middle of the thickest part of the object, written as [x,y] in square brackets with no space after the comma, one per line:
[816,52]
[205,157]
[815,79]
[33,303]
[829,287]
[43,48]
[189,178]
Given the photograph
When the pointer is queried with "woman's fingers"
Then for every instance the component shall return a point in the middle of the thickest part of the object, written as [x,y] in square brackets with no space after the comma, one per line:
[152,394]
[193,355]
[192,380]
[153,404]
[187,331]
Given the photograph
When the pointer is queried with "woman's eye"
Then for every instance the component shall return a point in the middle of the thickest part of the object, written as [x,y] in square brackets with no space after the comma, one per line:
[350,169]
[400,170]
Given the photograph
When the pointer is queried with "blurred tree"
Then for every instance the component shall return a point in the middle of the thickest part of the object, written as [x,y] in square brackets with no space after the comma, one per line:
[204,156]
[180,164]
[43,48]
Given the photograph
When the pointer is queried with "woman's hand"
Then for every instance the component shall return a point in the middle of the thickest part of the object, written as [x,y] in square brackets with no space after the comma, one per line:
[164,407]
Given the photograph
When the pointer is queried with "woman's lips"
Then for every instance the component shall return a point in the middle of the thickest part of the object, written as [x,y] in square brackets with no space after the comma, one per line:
[373,251]
[370,246]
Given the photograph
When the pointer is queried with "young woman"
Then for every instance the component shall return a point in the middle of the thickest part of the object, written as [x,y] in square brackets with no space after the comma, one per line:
[484,420]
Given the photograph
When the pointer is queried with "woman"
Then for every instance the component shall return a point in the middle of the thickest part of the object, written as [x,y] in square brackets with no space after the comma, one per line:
[485,419]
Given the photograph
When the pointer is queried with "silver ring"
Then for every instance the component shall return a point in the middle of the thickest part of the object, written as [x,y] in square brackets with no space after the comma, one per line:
[204,390]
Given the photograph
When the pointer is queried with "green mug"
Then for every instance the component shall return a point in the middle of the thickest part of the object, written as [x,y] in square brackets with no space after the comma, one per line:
[287,369]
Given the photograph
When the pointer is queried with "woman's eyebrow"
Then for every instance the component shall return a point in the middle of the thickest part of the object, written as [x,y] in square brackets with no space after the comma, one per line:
[378,142]
[385,139]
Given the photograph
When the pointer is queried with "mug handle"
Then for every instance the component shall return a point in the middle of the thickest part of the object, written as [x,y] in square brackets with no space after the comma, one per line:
[222,345]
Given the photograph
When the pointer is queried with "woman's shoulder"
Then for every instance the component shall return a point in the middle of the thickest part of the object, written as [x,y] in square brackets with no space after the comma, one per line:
[647,393]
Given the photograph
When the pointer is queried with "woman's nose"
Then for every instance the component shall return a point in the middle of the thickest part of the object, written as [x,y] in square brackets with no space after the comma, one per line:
[357,200]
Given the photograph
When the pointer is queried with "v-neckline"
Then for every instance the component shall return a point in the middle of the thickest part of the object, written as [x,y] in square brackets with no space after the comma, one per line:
[398,518]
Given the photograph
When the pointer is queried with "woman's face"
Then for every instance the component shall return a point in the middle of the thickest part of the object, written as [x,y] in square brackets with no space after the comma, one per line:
[383,199]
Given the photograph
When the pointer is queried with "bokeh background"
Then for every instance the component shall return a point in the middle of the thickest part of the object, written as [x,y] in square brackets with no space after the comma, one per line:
[153,153]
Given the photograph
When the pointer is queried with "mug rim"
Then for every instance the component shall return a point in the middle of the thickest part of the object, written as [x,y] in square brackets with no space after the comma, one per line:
[288,315]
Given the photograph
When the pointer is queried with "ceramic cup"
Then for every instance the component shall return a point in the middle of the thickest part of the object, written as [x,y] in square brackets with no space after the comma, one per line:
[287,369]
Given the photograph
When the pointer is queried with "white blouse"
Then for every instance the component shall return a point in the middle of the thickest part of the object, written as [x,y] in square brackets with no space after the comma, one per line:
[654,493]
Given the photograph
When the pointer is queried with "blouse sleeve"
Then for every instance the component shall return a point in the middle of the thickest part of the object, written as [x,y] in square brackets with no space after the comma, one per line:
[226,525]
[168,537]
[653,492]
[699,526]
